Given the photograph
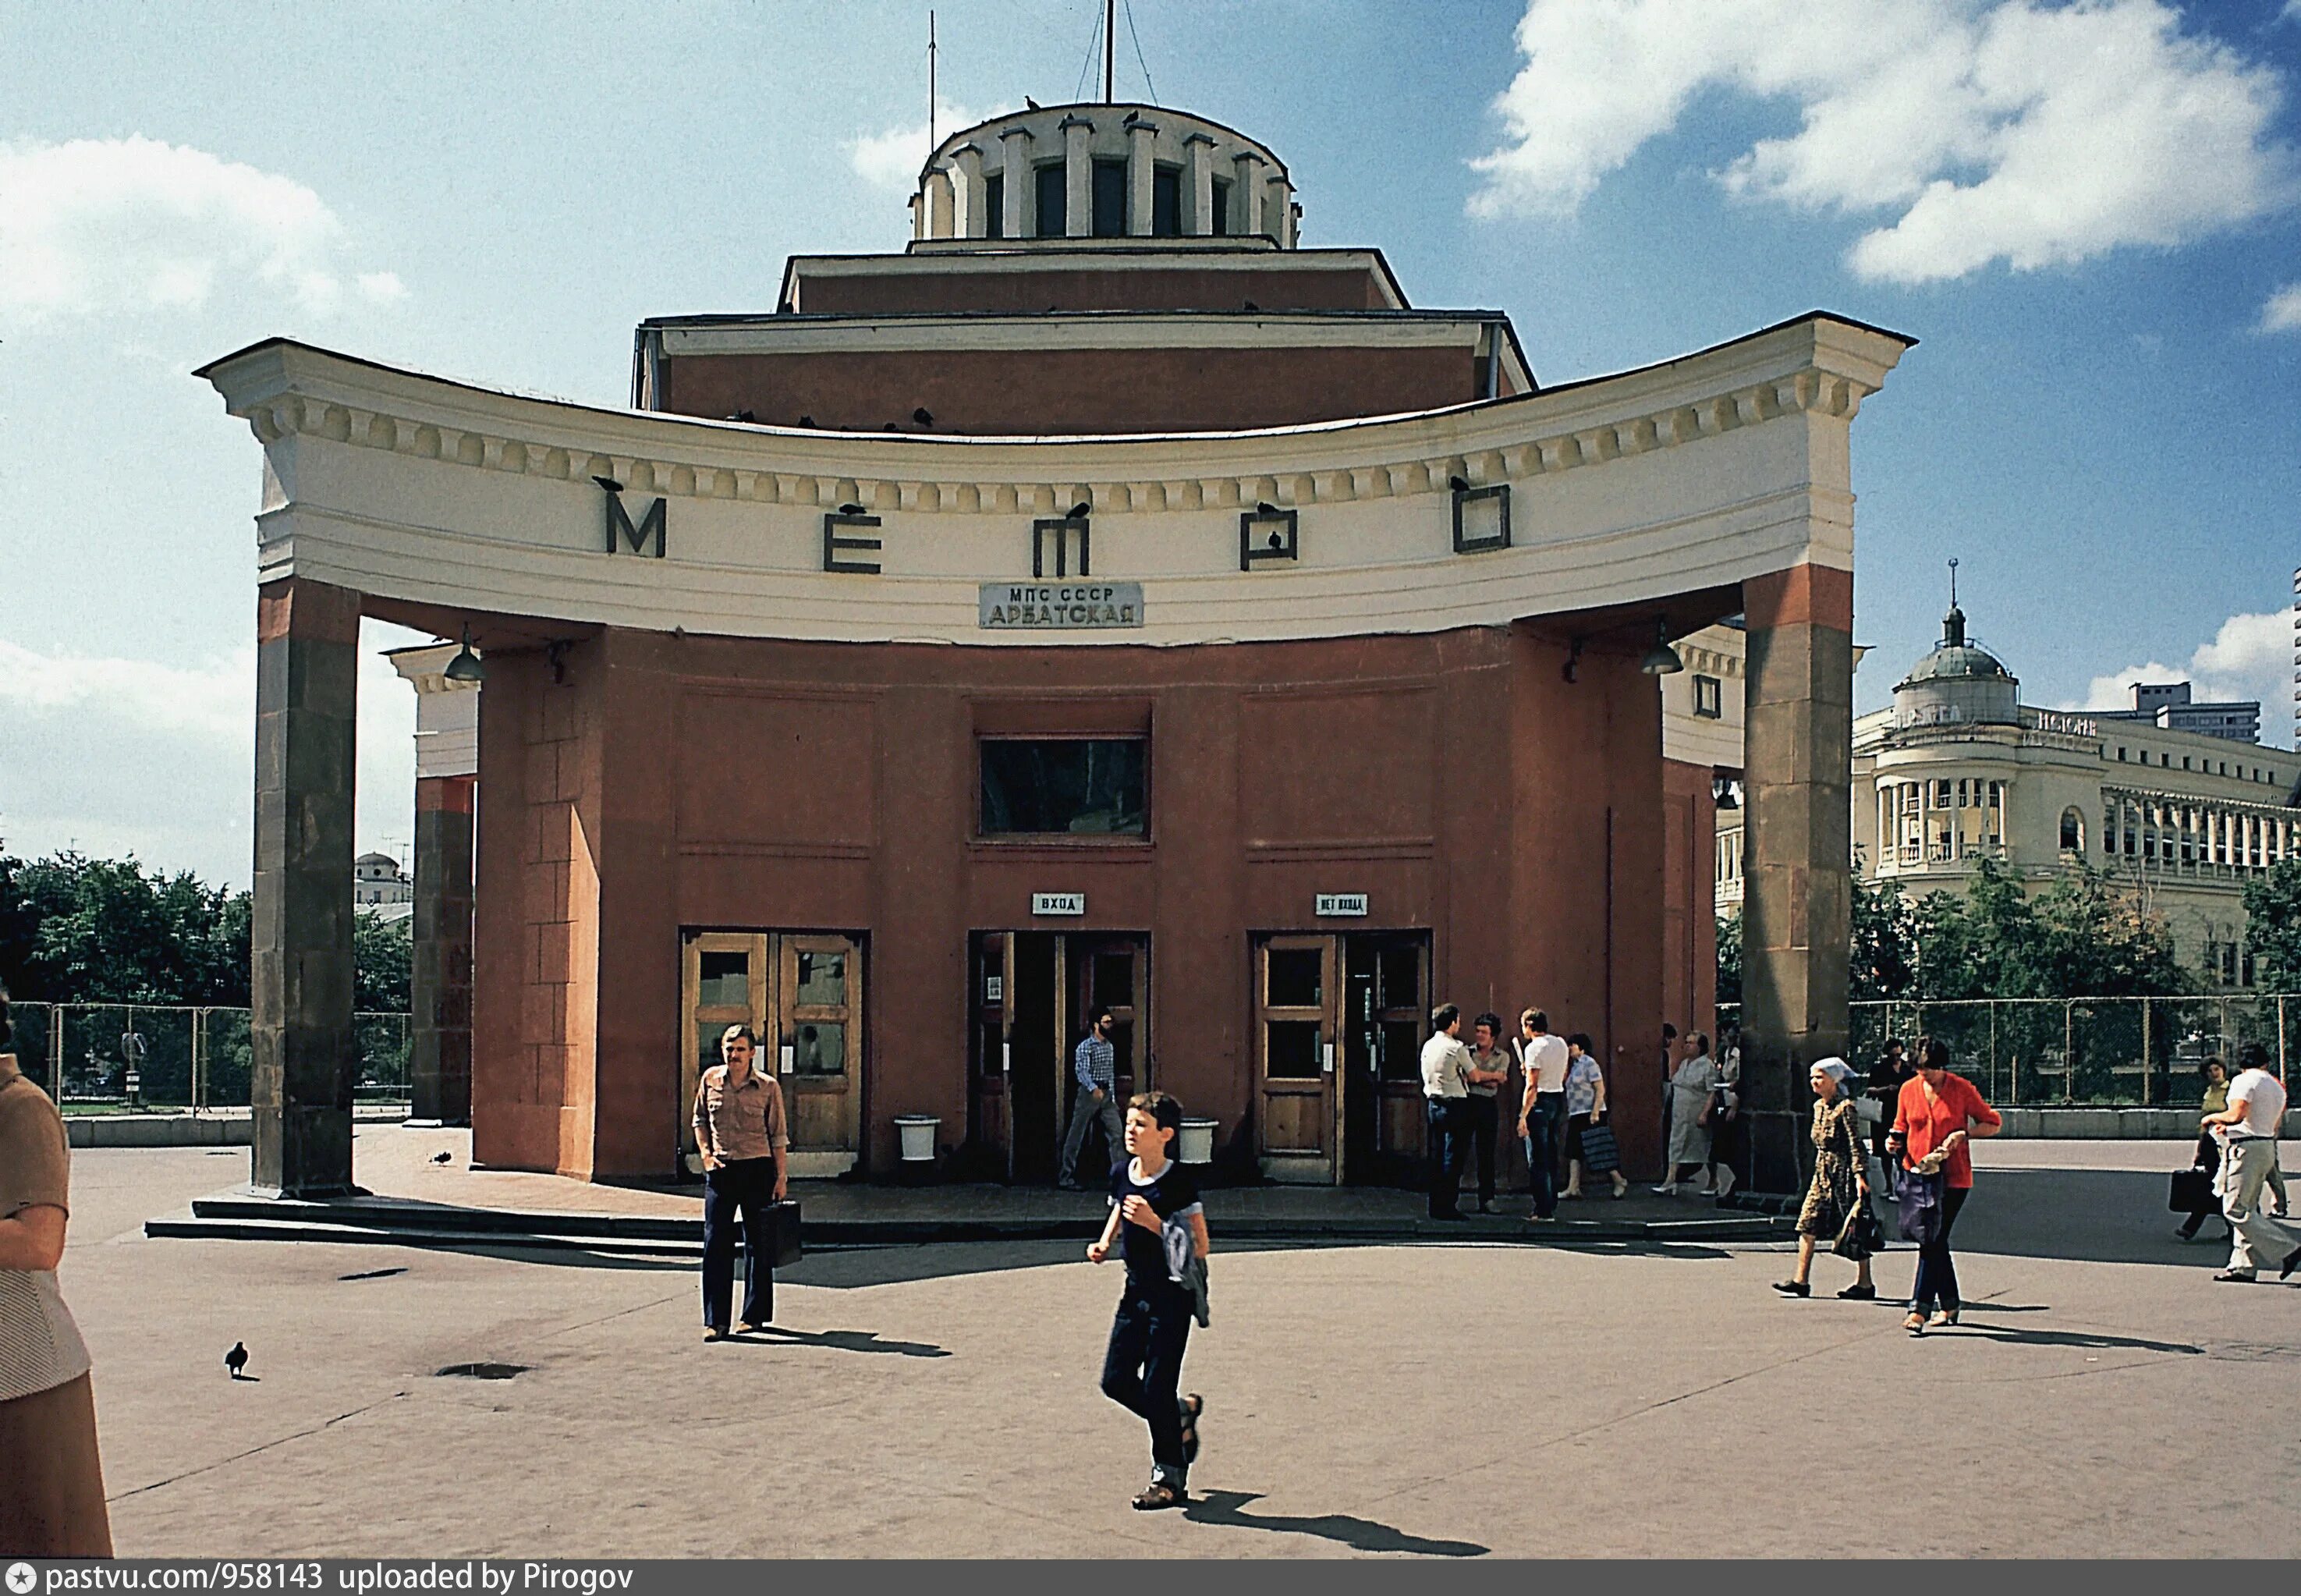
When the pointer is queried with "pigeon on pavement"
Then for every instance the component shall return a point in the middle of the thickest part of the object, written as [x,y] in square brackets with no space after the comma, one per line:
[235,1359]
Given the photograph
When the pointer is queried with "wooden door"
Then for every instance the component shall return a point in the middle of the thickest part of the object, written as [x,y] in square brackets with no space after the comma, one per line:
[725,981]
[1113,972]
[819,1014]
[1297,1016]
[1388,980]
[990,974]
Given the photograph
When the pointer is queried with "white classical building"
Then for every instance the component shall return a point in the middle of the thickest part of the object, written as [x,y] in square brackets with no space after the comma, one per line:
[1959,770]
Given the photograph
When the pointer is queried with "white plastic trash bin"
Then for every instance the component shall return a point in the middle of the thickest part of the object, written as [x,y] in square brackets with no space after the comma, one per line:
[1198,1141]
[917,1133]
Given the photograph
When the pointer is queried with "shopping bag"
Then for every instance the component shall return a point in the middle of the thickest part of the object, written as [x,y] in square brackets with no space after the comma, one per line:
[1601,1153]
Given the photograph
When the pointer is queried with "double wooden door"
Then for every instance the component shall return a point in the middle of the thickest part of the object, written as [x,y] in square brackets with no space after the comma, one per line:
[1338,1027]
[801,994]
[1032,998]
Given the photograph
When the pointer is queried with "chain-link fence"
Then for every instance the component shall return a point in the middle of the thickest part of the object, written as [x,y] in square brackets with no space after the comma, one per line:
[2094,1052]
[118,1058]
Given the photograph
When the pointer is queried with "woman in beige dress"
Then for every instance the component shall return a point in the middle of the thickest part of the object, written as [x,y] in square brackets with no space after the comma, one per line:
[51,1483]
[1841,1185]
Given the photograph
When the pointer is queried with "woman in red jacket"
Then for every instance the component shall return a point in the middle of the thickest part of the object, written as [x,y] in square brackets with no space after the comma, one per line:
[1937,1115]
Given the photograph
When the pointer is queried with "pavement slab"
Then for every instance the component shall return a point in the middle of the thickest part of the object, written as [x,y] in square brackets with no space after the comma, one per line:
[1462,1400]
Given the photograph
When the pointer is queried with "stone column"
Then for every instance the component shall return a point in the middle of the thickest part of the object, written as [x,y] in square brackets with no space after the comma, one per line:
[1015,153]
[1078,179]
[1248,193]
[1278,209]
[304,1055]
[439,1061]
[972,221]
[939,198]
[1797,895]
[1199,173]
[1140,138]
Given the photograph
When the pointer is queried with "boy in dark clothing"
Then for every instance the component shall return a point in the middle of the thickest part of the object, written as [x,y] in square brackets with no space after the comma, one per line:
[1143,1368]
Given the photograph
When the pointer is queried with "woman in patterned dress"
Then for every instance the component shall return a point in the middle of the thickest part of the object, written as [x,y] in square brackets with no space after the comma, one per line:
[1841,1185]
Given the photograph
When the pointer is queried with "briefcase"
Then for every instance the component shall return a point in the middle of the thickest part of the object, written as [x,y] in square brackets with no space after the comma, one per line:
[780,1244]
[1601,1153]
[2192,1193]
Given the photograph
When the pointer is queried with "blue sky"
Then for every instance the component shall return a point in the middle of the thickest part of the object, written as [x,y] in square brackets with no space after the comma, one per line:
[2086,212]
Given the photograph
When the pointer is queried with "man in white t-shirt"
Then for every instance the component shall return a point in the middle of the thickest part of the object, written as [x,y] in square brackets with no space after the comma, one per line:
[2248,1129]
[1446,1070]
[1542,1112]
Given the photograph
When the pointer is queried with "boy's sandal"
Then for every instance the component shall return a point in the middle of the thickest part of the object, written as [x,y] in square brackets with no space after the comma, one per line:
[1159,1494]
[1192,1406]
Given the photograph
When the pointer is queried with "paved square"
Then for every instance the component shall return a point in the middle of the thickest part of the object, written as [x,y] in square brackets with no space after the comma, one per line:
[1445,1399]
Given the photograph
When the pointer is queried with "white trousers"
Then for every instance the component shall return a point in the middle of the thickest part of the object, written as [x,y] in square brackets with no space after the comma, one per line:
[2256,1240]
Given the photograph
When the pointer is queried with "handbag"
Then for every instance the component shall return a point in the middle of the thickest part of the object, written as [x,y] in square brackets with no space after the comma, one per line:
[1861,1236]
[1919,1198]
[1601,1153]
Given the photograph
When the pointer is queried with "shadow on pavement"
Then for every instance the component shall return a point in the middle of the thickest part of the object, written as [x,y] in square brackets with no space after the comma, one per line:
[2091,1216]
[1359,1535]
[841,1341]
[2072,1338]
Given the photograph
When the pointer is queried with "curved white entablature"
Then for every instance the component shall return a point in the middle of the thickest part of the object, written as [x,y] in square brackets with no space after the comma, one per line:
[1693,474]
[1102,170]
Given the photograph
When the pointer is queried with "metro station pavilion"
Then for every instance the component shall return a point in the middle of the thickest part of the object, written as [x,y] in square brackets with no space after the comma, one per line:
[1104,601]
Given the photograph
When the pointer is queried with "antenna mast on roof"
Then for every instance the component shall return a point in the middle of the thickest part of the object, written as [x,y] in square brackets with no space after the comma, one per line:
[930,80]
[1110,46]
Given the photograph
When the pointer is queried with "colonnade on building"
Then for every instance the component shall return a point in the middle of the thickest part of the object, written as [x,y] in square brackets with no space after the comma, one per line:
[2162,833]
[1102,170]
[1939,820]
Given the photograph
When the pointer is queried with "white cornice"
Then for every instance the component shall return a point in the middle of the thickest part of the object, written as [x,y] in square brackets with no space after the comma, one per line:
[1679,478]
[285,389]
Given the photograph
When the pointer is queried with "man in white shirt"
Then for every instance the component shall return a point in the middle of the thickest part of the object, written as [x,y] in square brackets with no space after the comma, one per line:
[1542,1112]
[2248,1129]
[1446,1070]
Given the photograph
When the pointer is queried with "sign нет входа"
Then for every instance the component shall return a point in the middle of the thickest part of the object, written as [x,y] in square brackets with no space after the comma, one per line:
[1341,903]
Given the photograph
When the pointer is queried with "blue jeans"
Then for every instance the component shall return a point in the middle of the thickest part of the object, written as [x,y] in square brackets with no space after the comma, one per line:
[1142,1368]
[1544,1122]
[1450,1134]
[1936,1282]
[747,1184]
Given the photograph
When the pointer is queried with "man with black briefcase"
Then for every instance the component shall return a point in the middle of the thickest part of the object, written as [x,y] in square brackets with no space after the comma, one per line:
[745,1149]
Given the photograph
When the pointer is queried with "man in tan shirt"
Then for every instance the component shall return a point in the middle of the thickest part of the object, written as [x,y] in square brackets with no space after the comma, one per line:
[740,1130]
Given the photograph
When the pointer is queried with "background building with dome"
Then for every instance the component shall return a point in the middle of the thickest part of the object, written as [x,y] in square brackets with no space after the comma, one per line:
[1108,599]
[1959,770]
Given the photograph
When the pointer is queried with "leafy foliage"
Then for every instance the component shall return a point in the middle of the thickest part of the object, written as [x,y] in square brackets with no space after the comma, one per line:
[2272,913]
[76,930]
[2082,936]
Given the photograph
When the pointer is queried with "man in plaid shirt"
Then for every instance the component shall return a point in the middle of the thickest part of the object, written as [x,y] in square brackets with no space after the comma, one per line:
[1096,1066]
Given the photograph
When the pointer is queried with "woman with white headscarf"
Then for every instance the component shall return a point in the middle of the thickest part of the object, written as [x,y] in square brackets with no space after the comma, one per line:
[1839,1200]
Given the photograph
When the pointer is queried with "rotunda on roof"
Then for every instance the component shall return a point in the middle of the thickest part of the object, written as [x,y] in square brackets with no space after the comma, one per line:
[1960,684]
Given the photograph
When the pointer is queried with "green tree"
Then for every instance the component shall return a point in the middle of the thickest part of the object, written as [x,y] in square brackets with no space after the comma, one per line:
[1885,950]
[2273,926]
[382,950]
[1729,958]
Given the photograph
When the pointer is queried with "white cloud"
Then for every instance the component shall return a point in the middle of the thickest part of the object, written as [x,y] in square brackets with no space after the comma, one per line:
[2249,657]
[2282,312]
[106,225]
[891,159]
[1995,130]
[118,755]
